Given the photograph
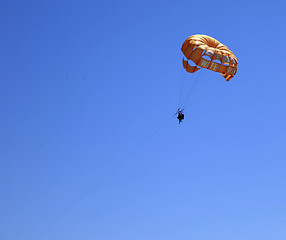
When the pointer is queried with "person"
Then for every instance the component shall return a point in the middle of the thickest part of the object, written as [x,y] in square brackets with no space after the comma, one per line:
[181,116]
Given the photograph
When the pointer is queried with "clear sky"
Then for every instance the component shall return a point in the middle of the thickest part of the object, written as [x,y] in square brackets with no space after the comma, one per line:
[87,85]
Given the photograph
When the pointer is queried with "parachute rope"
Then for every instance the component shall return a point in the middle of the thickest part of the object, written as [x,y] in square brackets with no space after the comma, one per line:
[101,180]
[190,89]
[204,93]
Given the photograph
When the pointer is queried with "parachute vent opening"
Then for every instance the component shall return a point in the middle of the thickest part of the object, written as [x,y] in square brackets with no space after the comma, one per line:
[225,60]
[191,63]
[217,61]
[206,57]
[225,64]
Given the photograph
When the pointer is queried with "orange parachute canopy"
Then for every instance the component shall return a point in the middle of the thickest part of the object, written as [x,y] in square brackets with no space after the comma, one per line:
[199,48]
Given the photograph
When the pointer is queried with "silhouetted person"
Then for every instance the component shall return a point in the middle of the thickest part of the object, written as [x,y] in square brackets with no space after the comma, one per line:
[180,116]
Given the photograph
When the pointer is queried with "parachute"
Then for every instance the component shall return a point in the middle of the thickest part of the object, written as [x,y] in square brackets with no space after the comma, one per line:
[199,48]
[204,53]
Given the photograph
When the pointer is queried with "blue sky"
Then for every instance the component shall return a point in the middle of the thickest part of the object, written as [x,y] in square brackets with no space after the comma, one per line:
[90,85]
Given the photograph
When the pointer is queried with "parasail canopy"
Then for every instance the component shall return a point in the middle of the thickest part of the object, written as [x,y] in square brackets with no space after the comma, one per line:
[207,52]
